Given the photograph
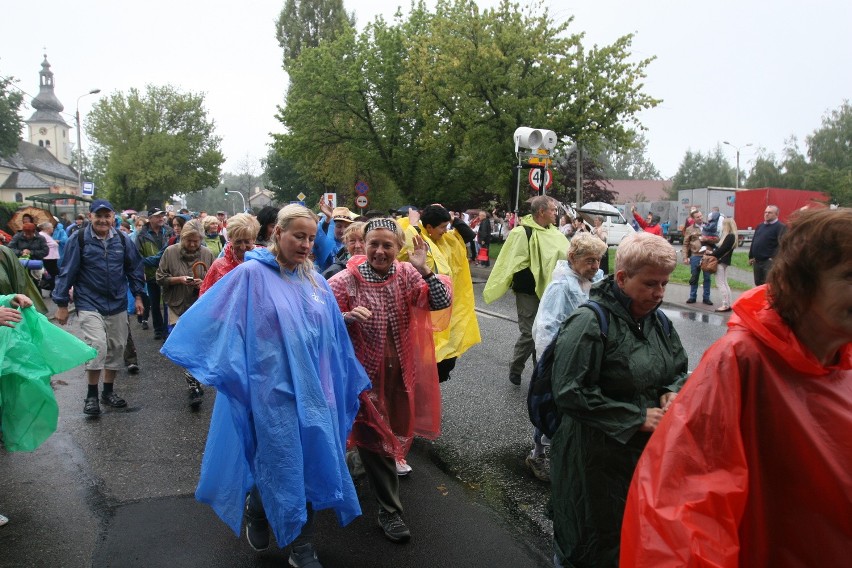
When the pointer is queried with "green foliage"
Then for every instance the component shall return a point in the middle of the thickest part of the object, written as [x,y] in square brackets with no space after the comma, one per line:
[424,109]
[827,167]
[628,162]
[152,145]
[699,170]
[303,24]
[10,120]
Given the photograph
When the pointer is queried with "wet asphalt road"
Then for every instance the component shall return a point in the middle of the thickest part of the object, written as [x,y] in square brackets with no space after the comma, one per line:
[117,490]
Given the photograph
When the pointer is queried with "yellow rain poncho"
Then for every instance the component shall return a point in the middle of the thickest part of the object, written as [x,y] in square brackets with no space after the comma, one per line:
[448,256]
[539,253]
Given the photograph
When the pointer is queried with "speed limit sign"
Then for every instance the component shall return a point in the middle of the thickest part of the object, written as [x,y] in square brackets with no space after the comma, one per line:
[535,178]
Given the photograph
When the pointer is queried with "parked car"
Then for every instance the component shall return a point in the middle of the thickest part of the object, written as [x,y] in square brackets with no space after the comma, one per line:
[616,225]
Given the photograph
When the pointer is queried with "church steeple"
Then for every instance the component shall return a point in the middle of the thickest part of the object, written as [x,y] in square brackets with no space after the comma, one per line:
[47,128]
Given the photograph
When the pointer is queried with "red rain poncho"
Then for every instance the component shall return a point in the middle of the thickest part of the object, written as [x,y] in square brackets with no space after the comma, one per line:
[392,413]
[752,465]
[220,267]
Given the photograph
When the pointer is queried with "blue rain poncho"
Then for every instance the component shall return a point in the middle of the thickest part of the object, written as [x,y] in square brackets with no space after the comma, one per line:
[275,346]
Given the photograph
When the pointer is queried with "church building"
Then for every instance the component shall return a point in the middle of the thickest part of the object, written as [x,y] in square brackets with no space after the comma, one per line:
[43,161]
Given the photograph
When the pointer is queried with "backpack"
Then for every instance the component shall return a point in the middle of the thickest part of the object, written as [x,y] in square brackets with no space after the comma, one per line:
[541,405]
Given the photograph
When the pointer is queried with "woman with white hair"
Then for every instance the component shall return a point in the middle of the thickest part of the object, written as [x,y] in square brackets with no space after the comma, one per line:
[614,376]
[213,239]
[180,274]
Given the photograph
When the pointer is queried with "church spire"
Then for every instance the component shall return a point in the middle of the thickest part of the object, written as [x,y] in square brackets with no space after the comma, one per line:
[47,106]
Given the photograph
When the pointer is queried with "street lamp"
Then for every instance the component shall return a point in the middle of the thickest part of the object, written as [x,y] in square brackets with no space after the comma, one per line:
[241,197]
[737,148]
[79,142]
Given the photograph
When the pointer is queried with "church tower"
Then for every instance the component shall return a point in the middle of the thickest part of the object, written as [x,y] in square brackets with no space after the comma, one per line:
[46,126]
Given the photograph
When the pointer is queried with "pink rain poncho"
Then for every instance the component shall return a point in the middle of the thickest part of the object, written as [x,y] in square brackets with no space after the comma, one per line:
[395,410]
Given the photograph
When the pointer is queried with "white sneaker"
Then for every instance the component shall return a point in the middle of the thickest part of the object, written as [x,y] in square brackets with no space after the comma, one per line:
[3,520]
[402,468]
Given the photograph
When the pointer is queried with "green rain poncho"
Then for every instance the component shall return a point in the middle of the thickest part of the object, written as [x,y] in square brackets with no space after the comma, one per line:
[539,253]
[15,280]
[30,353]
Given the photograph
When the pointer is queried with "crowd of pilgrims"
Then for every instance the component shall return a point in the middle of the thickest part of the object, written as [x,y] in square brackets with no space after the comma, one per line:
[327,339]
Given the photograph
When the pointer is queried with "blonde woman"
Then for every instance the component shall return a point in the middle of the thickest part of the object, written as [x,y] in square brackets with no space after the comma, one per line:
[212,239]
[277,350]
[727,244]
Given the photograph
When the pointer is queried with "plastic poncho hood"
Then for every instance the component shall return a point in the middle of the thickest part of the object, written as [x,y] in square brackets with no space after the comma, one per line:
[752,465]
[539,253]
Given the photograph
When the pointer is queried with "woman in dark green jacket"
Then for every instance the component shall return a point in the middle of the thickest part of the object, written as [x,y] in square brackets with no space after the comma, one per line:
[613,381]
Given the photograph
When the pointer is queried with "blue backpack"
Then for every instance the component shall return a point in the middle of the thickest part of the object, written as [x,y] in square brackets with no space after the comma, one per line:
[540,403]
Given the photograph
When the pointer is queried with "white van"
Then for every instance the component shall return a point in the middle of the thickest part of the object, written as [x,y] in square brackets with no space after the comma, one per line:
[616,225]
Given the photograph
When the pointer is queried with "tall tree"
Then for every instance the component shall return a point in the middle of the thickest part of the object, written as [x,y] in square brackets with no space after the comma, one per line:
[628,162]
[830,152]
[703,170]
[152,145]
[595,181]
[304,23]
[10,119]
[428,105]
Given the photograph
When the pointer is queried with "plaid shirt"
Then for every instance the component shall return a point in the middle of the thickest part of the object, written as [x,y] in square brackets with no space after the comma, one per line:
[439,296]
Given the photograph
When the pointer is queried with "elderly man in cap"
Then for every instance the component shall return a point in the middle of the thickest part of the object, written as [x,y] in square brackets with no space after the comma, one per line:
[151,241]
[99,264]
[328,246]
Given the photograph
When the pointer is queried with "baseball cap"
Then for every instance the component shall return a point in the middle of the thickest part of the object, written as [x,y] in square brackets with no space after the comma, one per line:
[155,211]
[99,204]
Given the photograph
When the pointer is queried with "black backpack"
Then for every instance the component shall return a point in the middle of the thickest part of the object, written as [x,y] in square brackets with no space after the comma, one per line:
[540,403]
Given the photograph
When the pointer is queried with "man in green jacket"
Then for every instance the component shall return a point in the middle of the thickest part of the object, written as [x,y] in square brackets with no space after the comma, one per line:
[151,241]
[526,264]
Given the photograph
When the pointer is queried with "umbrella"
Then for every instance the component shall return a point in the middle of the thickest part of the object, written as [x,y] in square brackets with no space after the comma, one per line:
[404,209]
[38,214]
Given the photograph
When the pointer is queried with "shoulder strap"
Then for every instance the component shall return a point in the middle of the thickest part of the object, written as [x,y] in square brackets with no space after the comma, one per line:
[81,240]
[665,322]
[603,320]
[528,231]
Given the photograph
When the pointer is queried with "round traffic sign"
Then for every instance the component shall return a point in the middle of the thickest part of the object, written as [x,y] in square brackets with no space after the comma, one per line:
[535,178]
[361,188]
[362,201]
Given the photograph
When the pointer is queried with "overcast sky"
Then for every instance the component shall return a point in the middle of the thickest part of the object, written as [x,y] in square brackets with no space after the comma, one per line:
[746,71]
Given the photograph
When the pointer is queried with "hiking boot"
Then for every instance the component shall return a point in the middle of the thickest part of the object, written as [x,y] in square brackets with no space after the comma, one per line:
[158,335]
[304,556]
[394,527]
[257,529]
[707,302]
[515,379]
[540,467]
[144,324]
[690,301]
[92,407]
[196,397]
[113,400]
[402,467]
[133,368]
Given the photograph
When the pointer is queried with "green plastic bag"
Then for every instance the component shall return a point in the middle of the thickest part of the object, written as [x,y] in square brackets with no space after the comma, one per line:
[30,353]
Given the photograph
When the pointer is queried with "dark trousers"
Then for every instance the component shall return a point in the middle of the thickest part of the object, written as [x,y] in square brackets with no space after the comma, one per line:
[761,270]
[384,481]
[695,270]
[157,317]
[527,306]
[255,510]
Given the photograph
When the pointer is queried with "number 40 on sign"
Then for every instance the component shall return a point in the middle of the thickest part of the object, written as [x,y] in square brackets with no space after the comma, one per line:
[535,178]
